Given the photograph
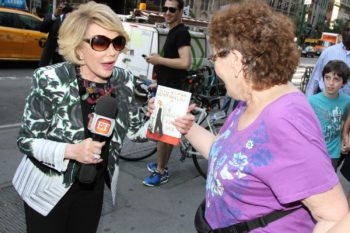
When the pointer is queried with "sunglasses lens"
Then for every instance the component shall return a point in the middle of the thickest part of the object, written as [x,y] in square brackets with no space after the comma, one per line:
[171,9]
[119,43]
[100,43]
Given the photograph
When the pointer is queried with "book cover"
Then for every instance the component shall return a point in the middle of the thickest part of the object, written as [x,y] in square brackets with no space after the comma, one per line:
[169,104]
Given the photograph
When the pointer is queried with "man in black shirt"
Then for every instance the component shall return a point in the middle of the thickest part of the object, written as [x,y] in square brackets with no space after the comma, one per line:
[51,25]
[171,69]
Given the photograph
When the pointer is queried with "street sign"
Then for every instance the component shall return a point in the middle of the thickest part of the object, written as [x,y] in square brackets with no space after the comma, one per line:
[18,4]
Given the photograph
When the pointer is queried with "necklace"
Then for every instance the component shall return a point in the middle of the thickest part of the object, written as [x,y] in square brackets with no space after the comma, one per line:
[92,91]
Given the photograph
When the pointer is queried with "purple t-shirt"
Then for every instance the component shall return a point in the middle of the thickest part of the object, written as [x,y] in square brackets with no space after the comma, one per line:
[272,164]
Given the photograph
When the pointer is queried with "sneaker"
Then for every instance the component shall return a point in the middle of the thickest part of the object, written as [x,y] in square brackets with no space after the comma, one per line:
[156,178]
[152,167]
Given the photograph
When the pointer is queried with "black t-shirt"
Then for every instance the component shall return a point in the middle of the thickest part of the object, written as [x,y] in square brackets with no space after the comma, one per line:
[177,38]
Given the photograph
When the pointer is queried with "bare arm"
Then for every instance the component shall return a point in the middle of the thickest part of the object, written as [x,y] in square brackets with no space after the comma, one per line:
[330,210]
[200,138]
[183,62]
[345,134]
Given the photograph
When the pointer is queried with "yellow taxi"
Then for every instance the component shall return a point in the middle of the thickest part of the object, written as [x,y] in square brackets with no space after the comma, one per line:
[20,38]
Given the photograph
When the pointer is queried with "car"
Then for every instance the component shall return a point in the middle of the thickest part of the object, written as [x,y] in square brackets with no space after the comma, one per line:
[308,51]
[20,38]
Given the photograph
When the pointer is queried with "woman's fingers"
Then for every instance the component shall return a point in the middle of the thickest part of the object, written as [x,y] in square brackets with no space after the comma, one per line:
[184,124]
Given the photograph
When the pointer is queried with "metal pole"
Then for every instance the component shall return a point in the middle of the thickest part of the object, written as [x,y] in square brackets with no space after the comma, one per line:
[54,4]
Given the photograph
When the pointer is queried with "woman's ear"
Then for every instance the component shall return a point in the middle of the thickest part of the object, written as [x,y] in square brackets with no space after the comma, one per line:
[80,54]
[237,55]
[236,61]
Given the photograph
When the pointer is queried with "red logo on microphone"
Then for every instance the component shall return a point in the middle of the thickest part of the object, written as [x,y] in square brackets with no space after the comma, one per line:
[103,126]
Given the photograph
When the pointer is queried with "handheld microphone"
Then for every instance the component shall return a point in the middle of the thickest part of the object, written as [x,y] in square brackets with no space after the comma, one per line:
[101,125]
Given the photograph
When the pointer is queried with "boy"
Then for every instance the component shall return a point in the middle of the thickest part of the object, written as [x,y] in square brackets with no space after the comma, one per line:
[331,106]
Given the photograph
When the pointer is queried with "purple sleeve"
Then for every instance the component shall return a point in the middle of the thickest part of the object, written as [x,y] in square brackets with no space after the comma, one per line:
[302,167]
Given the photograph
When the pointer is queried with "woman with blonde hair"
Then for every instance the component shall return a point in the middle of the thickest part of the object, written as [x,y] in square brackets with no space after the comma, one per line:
[58,189]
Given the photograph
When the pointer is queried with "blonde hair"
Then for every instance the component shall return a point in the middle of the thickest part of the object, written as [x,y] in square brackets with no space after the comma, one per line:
[74,27]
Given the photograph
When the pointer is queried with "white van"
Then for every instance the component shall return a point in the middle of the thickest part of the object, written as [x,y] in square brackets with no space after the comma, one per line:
[146,39]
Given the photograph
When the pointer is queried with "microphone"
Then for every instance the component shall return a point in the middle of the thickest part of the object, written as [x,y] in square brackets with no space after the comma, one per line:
[101,125]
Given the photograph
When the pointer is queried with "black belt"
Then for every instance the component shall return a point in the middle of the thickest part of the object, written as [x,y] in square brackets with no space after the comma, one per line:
[245,227]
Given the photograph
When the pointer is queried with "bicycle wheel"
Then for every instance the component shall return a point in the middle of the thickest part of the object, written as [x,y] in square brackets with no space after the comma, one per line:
[135,151]
[199,161]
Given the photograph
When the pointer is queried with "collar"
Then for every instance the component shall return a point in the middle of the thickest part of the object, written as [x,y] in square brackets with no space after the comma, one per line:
[346,51]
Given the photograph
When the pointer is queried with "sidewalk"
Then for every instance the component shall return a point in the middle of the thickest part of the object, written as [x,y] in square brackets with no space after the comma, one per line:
[168,208]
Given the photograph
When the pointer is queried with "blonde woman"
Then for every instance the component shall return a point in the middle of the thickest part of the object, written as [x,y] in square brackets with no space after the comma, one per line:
[54,135]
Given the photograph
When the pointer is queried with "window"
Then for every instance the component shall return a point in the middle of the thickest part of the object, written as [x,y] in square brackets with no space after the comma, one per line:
[5,20]
[28,22]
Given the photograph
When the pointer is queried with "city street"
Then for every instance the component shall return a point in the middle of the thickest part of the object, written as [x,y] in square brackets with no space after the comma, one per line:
[139,209]
[168,208]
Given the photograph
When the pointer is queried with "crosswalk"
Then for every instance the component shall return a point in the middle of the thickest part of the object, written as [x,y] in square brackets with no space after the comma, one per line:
[298,75]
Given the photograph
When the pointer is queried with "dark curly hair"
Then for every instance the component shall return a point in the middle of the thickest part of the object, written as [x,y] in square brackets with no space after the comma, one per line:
[338,67]
[264,37]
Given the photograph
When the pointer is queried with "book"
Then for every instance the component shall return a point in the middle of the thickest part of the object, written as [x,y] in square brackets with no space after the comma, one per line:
[169,104]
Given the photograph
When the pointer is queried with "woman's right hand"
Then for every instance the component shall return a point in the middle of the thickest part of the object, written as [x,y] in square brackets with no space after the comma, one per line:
[151,107]
[86,151]
[184,124]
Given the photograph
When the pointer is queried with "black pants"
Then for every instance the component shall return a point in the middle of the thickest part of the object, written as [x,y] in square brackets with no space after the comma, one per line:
[345,167]
[79,211]
[159,125]
[336,163]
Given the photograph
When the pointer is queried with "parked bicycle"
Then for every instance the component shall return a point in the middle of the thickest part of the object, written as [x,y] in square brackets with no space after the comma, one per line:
[208,114]
[205,82]
[134,151]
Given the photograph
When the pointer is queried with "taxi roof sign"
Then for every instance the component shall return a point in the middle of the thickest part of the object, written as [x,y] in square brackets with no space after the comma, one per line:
[17,4]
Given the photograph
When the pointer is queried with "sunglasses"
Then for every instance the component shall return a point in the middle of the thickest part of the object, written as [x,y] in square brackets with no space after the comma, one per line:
[171,9]
[222,53]
[101,43]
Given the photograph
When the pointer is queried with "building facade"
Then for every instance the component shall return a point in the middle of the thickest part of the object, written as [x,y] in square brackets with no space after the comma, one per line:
[309,14]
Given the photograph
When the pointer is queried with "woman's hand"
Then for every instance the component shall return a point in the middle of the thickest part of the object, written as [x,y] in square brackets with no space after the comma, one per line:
[184,124]
[87,151]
